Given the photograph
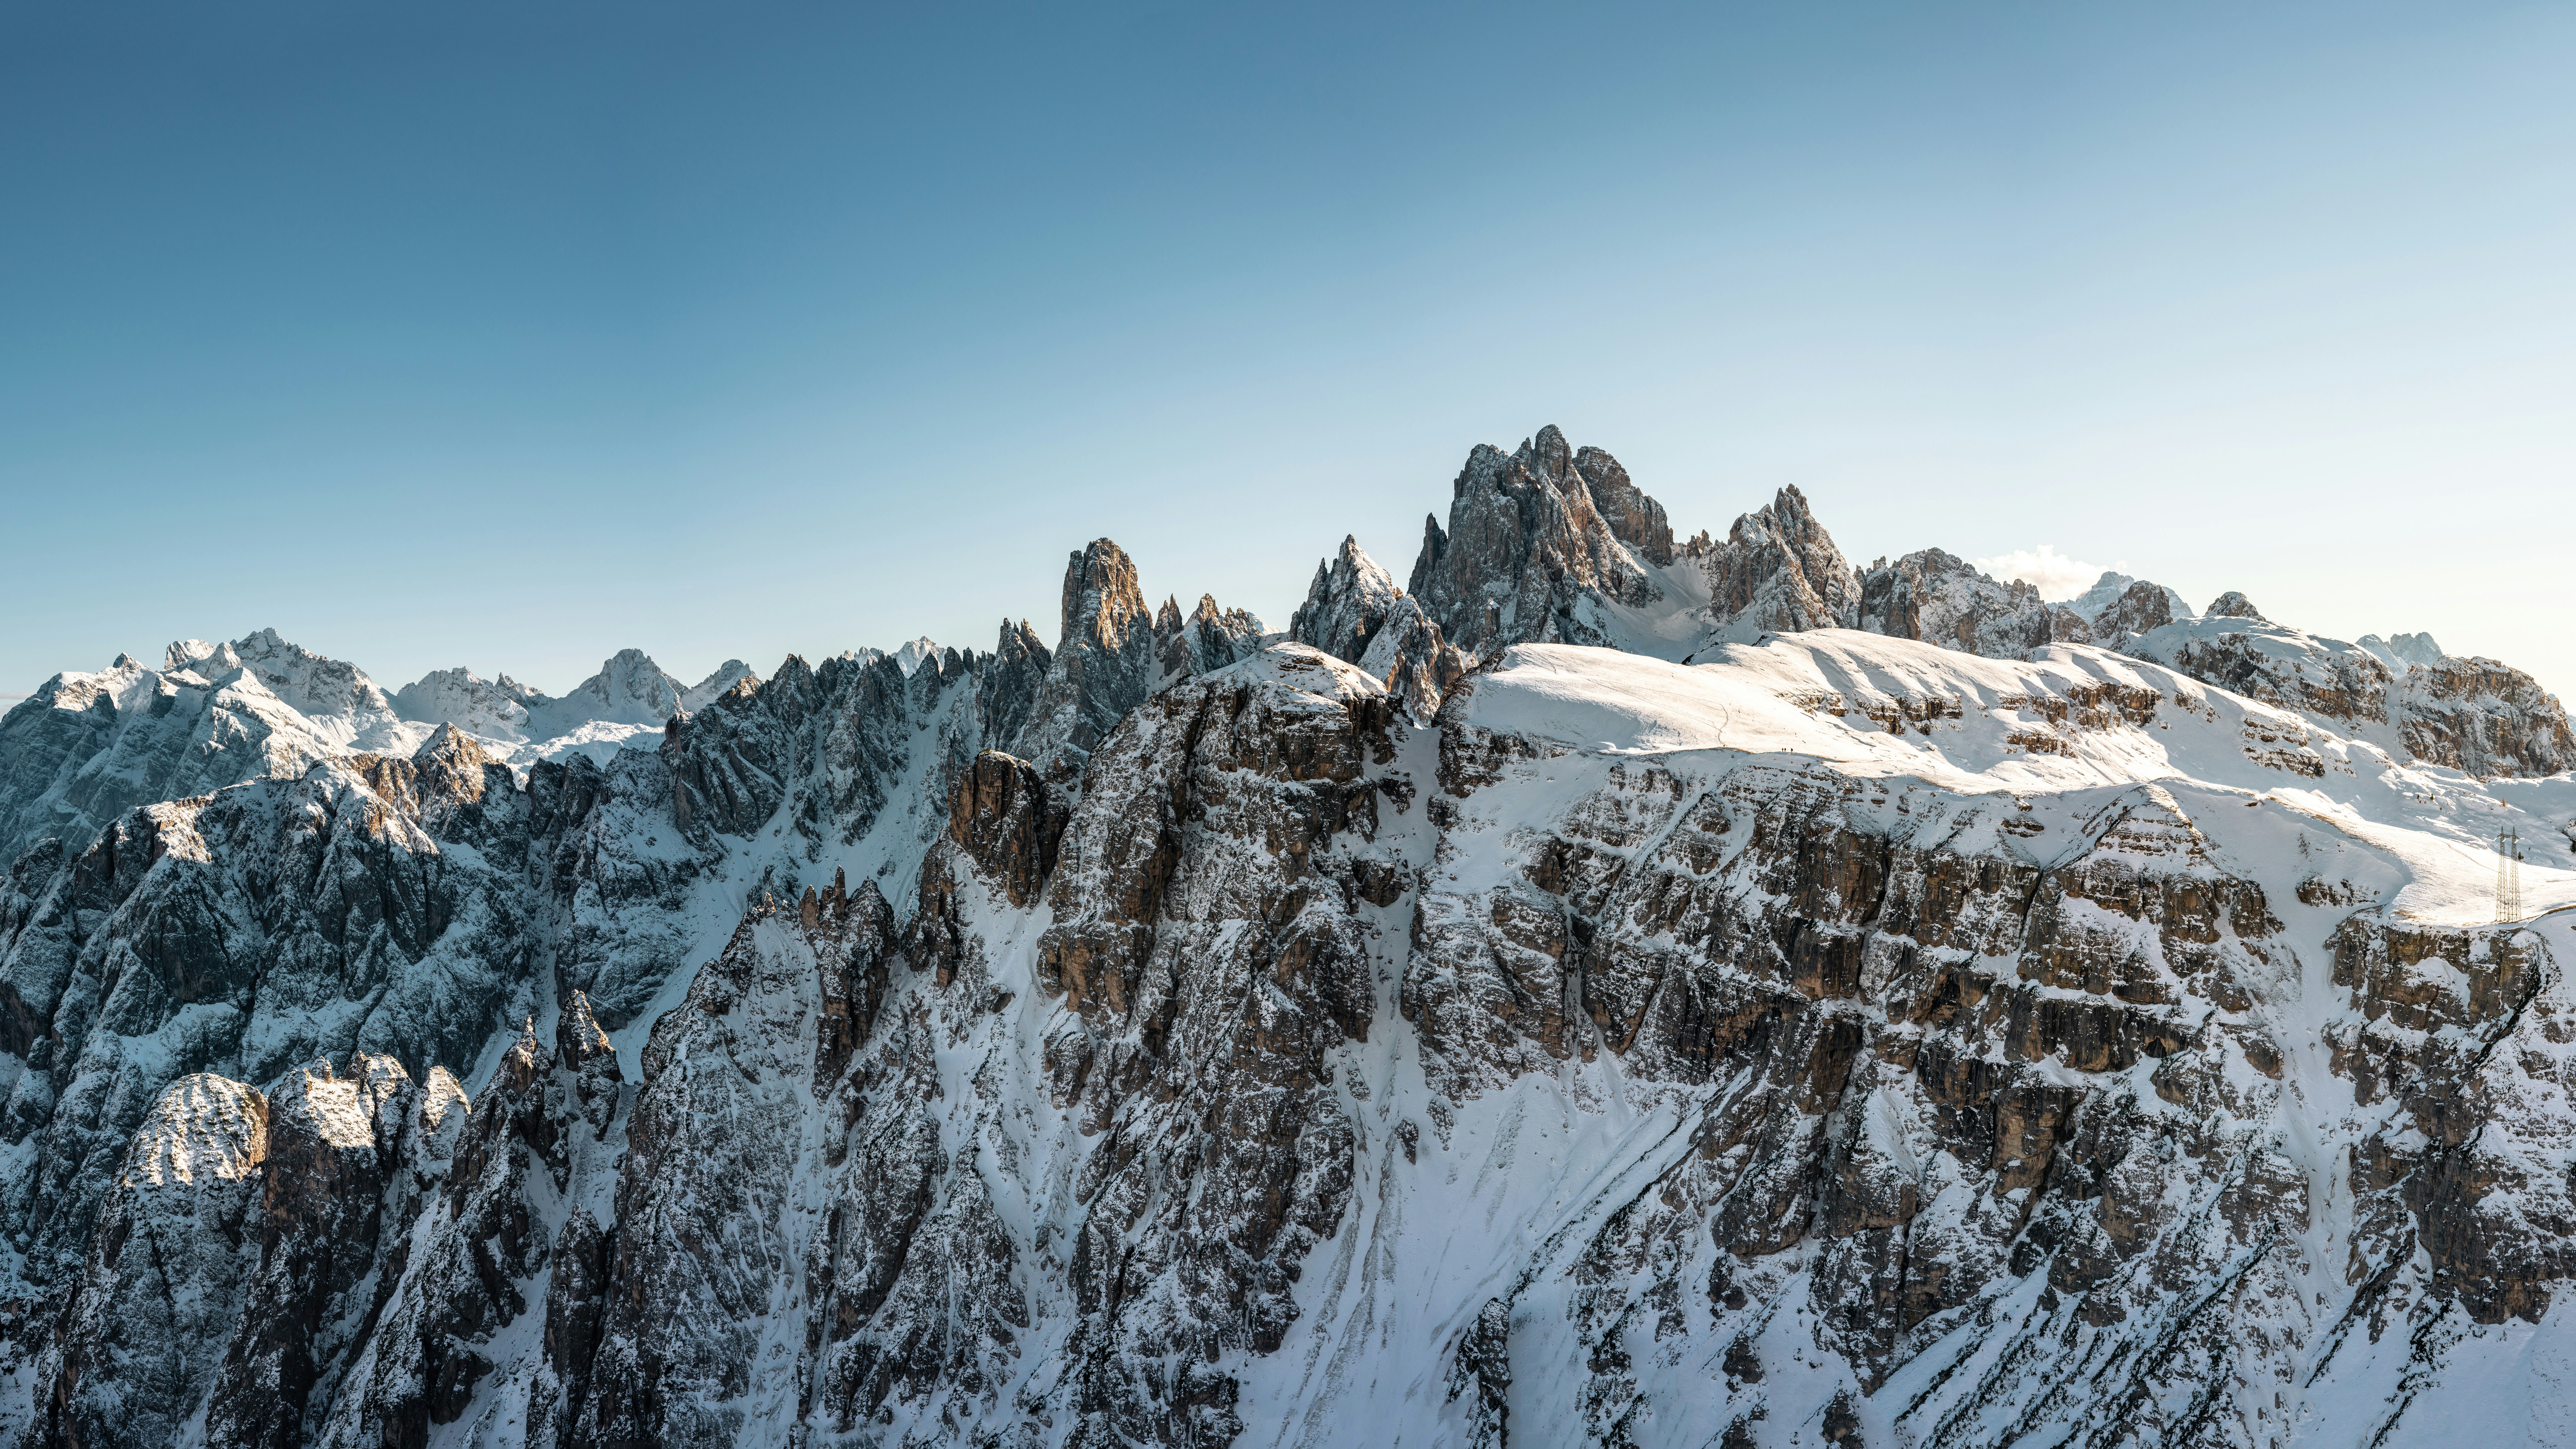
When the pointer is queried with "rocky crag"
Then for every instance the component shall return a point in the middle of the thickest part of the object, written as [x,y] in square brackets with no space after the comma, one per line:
[1927,1016]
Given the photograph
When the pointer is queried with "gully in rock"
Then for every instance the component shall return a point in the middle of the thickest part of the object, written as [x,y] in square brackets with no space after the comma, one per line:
[1602,991]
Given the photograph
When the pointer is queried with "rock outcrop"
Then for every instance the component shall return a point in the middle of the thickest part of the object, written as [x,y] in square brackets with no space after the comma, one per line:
[2139,608]
[1104,663]
[244,1255]
[1210,638]
[178,1241]
[1943,599]
[1528,557]
[2485,718]
[2134,599]
[1346,605]
[1778,571]
[1635,519]
[1354,612]
[2333,682]
[1948,1033]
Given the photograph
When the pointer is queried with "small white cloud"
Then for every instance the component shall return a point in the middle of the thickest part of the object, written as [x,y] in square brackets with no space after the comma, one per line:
[2052,573]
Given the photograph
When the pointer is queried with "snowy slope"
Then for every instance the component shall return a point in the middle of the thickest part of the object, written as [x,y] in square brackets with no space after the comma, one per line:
[1671,1019]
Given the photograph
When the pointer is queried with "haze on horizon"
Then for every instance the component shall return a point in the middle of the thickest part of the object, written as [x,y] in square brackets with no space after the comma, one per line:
[507,339]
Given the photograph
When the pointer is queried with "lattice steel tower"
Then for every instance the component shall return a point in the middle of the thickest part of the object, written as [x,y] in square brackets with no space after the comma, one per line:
[2508,877]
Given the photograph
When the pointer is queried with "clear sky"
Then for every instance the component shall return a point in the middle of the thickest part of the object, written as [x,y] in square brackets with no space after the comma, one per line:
[507,336]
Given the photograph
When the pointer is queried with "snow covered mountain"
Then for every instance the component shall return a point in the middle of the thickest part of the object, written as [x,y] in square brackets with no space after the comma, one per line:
[1604,991]
[629,697]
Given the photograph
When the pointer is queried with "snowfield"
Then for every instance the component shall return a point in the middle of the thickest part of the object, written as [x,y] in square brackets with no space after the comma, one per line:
[1611,990]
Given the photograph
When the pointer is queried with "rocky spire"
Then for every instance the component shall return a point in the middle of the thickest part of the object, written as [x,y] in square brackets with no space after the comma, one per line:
[1104,662]
[1635,519]
[1209,638]
[583,1050]
[1008,689]
[1346,603]
[1779,571]
[1526,549]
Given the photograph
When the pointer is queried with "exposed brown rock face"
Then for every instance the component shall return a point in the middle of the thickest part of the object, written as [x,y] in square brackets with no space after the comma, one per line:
[1001,817]
[2485,718]
[1943,599]
[1104,663]
[1778,570]
[2141,607]
[1353,1042]
[1525,550]
[1205,940]
[1635,519]
[2443,1013]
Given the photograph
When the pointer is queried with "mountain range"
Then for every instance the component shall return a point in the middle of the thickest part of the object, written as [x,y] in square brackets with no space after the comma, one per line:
[1611,988]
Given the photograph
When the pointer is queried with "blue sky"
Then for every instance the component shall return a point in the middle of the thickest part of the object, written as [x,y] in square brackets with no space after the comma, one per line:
[509,336]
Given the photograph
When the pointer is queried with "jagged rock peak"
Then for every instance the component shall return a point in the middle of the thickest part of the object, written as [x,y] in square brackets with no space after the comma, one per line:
[1210,638]
[1105,661]
[1779,571]
[1411,659]
[2117,591]
[578,1037]
[911,656]
[1346,604]
[2138,607]
[1943,599]
[628,689]
[1527,557]
[1634,518]
[1102,601]
[1008,690]
[723,680]
[2233,605]
[452,746]
[2403,652]
[315,685]
[492,709]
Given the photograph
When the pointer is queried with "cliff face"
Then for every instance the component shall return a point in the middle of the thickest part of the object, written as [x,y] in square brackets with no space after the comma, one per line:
[1528,556]
[1844,1039]
[2485,718]
[1777,570]
[1942,599]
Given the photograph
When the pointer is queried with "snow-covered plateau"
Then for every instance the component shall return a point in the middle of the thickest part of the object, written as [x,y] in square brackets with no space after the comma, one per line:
[1606,990]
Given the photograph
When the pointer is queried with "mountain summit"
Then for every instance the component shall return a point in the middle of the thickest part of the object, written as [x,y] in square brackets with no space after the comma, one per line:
[1606,990]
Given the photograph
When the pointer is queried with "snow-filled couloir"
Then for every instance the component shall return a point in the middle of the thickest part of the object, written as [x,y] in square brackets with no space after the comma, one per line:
[1607,990]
